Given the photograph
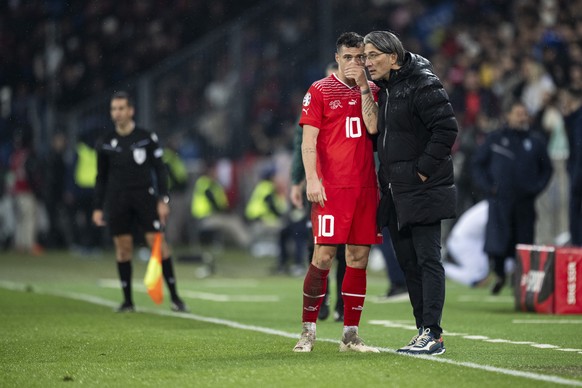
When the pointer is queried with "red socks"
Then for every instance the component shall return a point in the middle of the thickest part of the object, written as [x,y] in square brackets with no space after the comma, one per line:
[353,293]
[314,288]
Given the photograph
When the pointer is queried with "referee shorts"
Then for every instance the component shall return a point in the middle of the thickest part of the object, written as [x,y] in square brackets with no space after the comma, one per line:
[127,207]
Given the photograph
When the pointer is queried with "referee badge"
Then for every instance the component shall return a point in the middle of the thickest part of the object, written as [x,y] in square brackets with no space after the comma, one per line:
[139,155]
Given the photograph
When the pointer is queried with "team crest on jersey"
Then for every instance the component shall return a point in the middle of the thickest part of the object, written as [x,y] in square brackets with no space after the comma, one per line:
[335,104]
[139,155]
[307,99]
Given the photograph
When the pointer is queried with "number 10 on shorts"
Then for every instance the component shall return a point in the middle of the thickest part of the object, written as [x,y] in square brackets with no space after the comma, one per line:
[325,225]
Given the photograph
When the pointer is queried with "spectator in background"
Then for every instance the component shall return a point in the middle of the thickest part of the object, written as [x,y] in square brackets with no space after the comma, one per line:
[211,211]
[86,235]
[26,188]
[398,288]
[177,225]
[469,263]
[265,210]
[511,168]
[57,196]
[572,108]
[538,85]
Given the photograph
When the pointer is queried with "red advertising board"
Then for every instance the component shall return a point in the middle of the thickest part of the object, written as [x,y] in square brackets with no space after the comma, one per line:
[568,287]
[548,279]
[534,288]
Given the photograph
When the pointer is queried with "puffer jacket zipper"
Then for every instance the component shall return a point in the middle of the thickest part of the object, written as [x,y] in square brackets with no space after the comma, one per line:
[385,120]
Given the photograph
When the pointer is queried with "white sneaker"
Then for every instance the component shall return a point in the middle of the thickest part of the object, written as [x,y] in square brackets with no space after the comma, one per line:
[411,343]
[351,342]
[427,343]
[306,341]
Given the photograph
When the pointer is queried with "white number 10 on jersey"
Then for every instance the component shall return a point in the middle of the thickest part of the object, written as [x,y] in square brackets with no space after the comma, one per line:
[353,127]
[325,225]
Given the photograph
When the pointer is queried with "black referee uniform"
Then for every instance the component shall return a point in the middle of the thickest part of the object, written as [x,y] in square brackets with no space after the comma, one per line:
[131,177]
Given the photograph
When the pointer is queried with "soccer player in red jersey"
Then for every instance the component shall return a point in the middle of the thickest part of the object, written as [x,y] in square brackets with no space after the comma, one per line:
[338,118]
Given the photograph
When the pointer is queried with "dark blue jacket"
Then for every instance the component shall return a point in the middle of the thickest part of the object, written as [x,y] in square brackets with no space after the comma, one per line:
[512,164]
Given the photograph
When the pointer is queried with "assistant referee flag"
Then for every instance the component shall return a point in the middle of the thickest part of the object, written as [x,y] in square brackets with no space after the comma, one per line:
[153,279]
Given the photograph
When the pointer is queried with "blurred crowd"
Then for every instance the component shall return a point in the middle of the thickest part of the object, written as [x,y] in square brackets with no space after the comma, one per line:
[488,53]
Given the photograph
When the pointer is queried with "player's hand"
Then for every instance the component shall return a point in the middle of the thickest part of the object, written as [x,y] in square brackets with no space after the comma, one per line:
[356,72]
[316,191]
[98,218]
[296,196]
[163,212]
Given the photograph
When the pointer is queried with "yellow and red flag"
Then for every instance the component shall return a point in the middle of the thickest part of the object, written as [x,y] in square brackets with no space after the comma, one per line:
[153,279]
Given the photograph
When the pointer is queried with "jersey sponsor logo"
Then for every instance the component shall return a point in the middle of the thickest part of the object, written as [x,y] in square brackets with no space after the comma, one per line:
[307,99]
[139,155]
[305,110]
[353,102]
[335,104]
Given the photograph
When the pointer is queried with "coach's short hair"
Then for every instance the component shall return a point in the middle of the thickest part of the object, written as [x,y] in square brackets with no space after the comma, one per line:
[386,42]
[349,39]
[123,95]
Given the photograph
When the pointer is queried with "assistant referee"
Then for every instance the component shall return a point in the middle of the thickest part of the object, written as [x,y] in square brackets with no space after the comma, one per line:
[132,188]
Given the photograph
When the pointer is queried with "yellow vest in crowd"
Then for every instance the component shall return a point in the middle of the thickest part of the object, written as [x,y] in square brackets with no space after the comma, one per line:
[86,168]
[201,206]
[177,169]
[258,209]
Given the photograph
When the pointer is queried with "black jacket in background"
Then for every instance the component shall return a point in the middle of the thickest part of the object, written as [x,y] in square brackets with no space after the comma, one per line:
[417,128]
[512,165]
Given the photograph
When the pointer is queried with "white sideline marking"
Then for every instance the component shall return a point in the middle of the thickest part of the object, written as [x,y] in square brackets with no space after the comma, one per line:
[486,299]
[104,302]
[110,283]
[546,321]
[407,326]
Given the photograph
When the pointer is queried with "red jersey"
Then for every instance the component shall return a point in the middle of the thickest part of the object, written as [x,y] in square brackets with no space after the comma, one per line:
[345,156]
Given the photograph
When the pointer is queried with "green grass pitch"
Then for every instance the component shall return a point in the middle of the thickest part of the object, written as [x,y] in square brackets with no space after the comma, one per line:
[57,328]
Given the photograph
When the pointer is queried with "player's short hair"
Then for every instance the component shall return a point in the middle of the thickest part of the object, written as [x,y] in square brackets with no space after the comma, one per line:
[349,39]
[123,95]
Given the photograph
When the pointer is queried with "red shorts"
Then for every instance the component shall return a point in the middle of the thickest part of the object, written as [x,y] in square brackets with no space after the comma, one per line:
[348,217]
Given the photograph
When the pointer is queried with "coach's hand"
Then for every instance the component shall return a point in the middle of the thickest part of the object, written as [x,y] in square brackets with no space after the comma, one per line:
[98,217]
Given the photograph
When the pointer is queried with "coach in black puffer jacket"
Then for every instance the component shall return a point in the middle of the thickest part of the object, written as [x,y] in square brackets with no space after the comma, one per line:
[417,129]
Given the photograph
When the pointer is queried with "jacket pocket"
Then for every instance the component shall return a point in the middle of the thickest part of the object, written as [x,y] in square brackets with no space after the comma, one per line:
[405,172]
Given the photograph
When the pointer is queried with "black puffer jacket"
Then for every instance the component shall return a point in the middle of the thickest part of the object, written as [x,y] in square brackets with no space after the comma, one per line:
[417,129]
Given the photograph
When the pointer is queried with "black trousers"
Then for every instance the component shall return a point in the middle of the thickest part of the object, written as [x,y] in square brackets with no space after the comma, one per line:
[418,250]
